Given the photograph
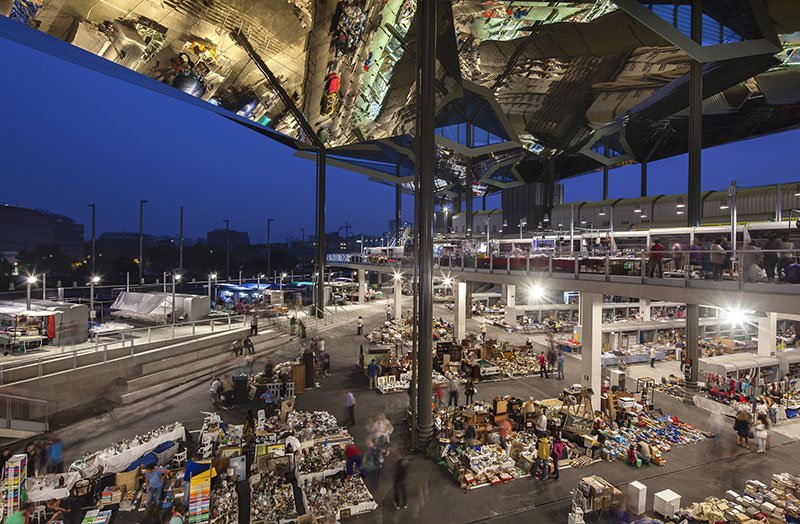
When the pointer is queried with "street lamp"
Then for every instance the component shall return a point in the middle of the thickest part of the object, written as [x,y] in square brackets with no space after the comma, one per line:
[734,214]
[211,276]
[522,223]
[141,241]
[94,238]
[176,277]
[269,246]
[227,248]
[283,275]
[29,281]
[92,282]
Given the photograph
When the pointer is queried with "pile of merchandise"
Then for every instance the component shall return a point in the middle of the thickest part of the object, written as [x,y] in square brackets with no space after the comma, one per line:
[662,433]
[340,495]
[271,499]
[217,433]
[319,461]
[225,509]
[779,502]
[308,425]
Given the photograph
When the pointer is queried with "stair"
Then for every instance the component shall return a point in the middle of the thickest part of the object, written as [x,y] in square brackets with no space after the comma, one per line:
[171,372]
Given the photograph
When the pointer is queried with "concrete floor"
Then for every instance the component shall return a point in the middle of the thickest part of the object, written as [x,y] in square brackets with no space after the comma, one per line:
[695,471]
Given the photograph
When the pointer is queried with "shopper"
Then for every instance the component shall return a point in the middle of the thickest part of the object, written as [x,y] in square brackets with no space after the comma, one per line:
[67,511]
[350,404]
[54,454]
[353,459]
[469,391]
[228,390]
[381,430]
[742,427]
[438,395]
[452,391]
[214,390]
[653,355]
[657,250]
[4,456]
[543,452]
[560,361]
[236,348]
[400,476]
[727,264]
[761,432]
[543,365]
[677,254]
[372,373]
[269,402]
[483,332]
[292,325]
[269,369]
[644,452]
[155,485]
[786,257]
[32,450]
[389,313]
[622,365]
[552,359]
[372,465]
[249,346]
[559,452]
[22,515]
[326,364]
[717,259]
[176,516]
[771,250]
[254,325]
[540,428]
[302,329]
[359,326]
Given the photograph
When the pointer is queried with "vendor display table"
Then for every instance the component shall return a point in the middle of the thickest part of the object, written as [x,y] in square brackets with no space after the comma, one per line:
[23,341]
[48,487]
[610,359]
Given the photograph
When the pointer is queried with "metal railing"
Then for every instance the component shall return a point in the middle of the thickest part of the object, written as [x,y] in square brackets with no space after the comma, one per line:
[16,409]
[131,340]
[743,266]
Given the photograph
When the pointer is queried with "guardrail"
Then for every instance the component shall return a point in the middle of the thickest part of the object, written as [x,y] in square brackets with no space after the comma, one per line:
[742,266]
[127,339]
[24,413]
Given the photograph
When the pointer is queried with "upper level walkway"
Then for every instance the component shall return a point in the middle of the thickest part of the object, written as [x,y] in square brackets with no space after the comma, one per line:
[627,275]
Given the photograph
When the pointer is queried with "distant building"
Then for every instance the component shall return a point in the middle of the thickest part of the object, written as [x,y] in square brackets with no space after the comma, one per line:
[22,229]
[217,237]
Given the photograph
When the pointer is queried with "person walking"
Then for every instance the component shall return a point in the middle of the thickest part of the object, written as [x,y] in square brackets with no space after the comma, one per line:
[249,346]
[540,427]
[771,250]
[302,329]
[483,331]
[742,427]
[350,404]
[542,365]
[786,257]
[292,325]
[761,432]
[214,390]
[652,356]
[452,391]
[438,395]
[359,326]
[543,452]
[552,359]
[400,476]
[236,348]
[372,373]
[469,391]
[656,259]
[155,485]
[560,363]
[717,259]
[676,250]
[54,454]
[254,325]
[558,452]
[389,313]
[372,465]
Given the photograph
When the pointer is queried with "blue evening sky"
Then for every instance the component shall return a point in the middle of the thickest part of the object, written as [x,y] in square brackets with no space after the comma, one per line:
[71,136]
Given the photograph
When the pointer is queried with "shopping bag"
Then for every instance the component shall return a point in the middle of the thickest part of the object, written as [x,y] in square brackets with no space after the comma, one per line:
[638,463]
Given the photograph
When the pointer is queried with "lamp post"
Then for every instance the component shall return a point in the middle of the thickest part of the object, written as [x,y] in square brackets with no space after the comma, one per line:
[734,215]
[211,276]
[522,223]
[227,248]
[269,246]
[283,275]
[486,223]
[176,277]
[93,281]
[141,241]
[94,209]
[30,280]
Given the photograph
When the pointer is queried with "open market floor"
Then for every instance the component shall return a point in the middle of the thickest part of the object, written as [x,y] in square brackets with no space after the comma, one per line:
[694,471]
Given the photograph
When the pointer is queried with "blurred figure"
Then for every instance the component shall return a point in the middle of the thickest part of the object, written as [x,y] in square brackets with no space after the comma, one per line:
[452,391]
[381,430]
[400,477]
[350,404]
[469,391]
[214,390]
[359,326]
[761,431]
[561,361]
[742,427]
[373,463]
[656,269]
[54,456]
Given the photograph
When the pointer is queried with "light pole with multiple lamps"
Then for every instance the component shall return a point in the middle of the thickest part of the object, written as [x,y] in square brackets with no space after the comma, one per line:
[211,277]
[141,241]
[522,223]
[176,277]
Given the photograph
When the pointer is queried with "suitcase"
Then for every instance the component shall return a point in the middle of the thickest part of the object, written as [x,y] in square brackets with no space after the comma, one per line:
[793,273]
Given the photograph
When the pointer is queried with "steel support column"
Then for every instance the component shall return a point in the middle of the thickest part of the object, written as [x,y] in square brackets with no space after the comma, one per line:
[692,353]
[398,227]
[425,142]
[319,290]
[695,204]
[643,182]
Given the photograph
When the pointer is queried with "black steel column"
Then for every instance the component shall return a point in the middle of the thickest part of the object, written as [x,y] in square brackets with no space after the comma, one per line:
[605,174]
[319,290]
[692,353]
[643,166]
[695,210]
[425,140]
[398,227]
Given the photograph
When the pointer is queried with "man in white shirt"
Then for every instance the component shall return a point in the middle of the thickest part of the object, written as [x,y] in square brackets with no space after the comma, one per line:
[541,424]
[652,357]
[359,326]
